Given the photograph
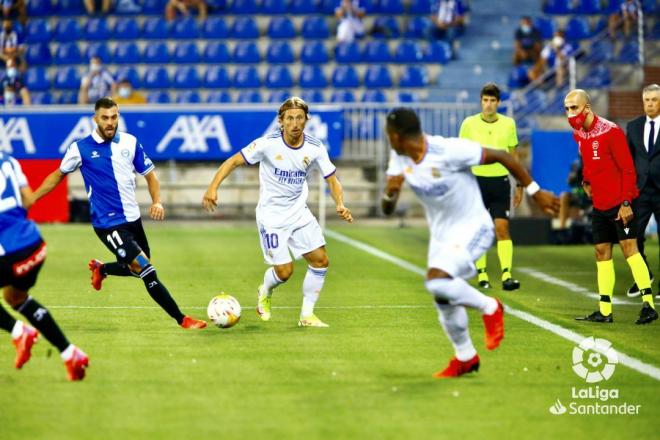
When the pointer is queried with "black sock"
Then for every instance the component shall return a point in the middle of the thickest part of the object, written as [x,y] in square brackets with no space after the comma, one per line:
[40,318]
[160,294]
[7,321]
[117,269]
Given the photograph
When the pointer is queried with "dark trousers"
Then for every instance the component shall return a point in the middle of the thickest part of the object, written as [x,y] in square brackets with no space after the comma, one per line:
[648,204]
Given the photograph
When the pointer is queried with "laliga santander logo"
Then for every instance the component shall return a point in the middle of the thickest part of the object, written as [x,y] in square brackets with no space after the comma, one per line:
[594,360]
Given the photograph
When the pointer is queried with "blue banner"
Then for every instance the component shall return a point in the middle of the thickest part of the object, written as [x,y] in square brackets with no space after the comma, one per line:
[553,152]
[180,133]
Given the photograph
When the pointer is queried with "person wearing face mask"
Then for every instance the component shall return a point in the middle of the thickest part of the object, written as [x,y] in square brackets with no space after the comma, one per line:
[554,54]
[98,83]
[610,180]
[527,44]
[14,91]
[127,95]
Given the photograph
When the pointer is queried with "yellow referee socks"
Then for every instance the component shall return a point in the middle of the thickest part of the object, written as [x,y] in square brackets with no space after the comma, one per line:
[505,254]
[482,275]
[640,274]
[606,277]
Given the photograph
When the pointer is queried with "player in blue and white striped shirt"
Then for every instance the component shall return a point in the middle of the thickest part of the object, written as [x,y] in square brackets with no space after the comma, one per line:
[107,160]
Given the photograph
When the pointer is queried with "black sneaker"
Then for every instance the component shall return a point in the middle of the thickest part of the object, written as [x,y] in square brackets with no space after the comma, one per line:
[486,285]
[647,314]
[596,317]
[634,292]
[510,284]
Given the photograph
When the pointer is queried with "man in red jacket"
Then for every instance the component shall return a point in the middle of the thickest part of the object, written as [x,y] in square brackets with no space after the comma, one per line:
[610,181]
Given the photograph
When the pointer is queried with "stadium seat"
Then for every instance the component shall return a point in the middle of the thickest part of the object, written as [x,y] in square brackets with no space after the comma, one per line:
[155,28]
[153,6]
[518,77]
[409,51]
[392,7]
[385,26]
[577,28]
[281,27]
[130,73]
[127,52]
[279,52]
[271,7]
[345,77]
[188,97]
[348,53]
[239,7]
[65,7]
[248,97]
[40,98]
[126,28]
[218,97]
[342,96]
[216,77]
[409,97]
[546,26]
[601,52]
[589,7]
[327,7]
[38,54]
[651,8]
[216,52]
[185,29]
[68,53]
[303,7]
[371,6]
[158,97]
[99,50]
[414,76]
[419,7]
[67,29]
[156,77]
[246,52]
[377,77]
[629,53]
[246,77]
[38,31]
[376,52]
[36,79]
[186,52]
[315,96]
[244,28]
[96,29]
[186,77]
[558,6]
[215,27]
[312,77]
[67,78]
[418,27]
[374,96]
[67,97]
[438,51]
[156,53]
[278,96]
[315,28]
[278,77]
[598,78]
[39,9]
[314,52]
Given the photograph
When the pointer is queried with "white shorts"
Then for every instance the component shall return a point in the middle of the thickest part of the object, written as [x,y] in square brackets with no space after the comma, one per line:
[277,244]
[458,249]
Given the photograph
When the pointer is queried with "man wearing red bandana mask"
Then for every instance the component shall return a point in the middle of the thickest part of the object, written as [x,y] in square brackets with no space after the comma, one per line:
[610,180]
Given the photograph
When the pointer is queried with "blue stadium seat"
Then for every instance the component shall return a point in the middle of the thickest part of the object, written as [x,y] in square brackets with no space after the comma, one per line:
[68,53]
[278,77]
[188,97]
[130,73]
[38,9]
[186,77]
[438,51]
[127,52]
[158,97]
[216,52]
[312,77]
[629,53]
[314,52]
[612,6]
[279,52]
[153,6]
[385,26]
[155,28]
[186,52]
[315,27]
[156,77]
[246,52]
[409,51]
[303,7]
[601,52]
[342,96]
[651,8]
[249,97]
[414,76]
[371,6]
[348,53]
[518,77]
[278,96]
[96,29]
[345,77]
[38,54]
[327,7]
[418,27]
[38,31]
[374,96]
[377,77]
[391,7]
[218,97]
[558,6]
[36,79]
[156,53]
[185,28]
[409,97]
[246,77]
[281,27]
[244,7]
[67,78]
[598,78]
[589,7]
[420,7]
[545,25]
[271,7]
[67,29]
[216,77]
[577,28]
[66,7]
[312,96]
[40,98]
[215,27]
[100,50]
[244,28]
[67,97]
[376,52]
[126,28]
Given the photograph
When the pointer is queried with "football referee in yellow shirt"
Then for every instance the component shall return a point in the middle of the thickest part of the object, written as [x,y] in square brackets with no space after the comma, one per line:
[497,131]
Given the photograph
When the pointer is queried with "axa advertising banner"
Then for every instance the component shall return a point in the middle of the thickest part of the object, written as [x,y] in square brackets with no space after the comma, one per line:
[175,132]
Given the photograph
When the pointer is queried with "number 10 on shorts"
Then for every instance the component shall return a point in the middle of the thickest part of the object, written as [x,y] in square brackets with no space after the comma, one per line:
[270,240]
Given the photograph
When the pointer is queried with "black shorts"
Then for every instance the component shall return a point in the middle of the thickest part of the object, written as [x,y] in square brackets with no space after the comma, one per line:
[607,230]
[20,269]
[126,241]
[496,194]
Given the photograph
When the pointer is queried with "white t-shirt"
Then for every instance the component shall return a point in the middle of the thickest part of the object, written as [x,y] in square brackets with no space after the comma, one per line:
[283,176]
[444,183]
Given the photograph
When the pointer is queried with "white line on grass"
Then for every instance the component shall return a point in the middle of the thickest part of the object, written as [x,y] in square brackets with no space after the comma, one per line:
[630,362]
[384,306]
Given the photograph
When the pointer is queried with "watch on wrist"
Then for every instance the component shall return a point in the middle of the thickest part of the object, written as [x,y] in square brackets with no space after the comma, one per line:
[625,203]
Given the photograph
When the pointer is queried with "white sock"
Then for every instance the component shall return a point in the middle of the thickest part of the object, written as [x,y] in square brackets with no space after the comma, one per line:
[17,331]
[459,293]
[312,285]
[270,280]
[454,321]
[68,352]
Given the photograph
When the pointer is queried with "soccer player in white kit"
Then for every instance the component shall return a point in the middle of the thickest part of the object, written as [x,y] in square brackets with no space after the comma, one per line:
[285,223]
[461,230]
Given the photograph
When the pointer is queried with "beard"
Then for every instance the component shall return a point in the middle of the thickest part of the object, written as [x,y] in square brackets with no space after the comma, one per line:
[108,133]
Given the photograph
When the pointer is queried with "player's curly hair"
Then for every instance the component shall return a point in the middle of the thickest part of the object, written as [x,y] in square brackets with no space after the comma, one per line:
[292,103]
[490,89]
[104,103]
[404,121]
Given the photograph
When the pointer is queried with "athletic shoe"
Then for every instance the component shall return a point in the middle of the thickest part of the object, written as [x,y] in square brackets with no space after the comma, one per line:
[97,277]
[458,368]
[634,291]
[76,365]
[263,303]
[647,314]
[311,321]
[494,325]
[597,317]
[510,284]
[24,345]
[485,284]
[189,322]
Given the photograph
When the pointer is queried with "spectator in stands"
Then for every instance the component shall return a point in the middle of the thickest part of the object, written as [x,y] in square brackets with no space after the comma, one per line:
[127,95]
[527,44]
[184,7]
[626,17]
[10,47]
[448,16]
[98,83]
[14,90]
[555,54]
[92,6]
[14,7]
[349,18]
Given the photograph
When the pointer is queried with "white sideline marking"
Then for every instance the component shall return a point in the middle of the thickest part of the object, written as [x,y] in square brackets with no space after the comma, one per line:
[384,306]
[630,362]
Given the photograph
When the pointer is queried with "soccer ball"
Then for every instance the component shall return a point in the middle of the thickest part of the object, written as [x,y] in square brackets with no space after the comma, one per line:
[224,310]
